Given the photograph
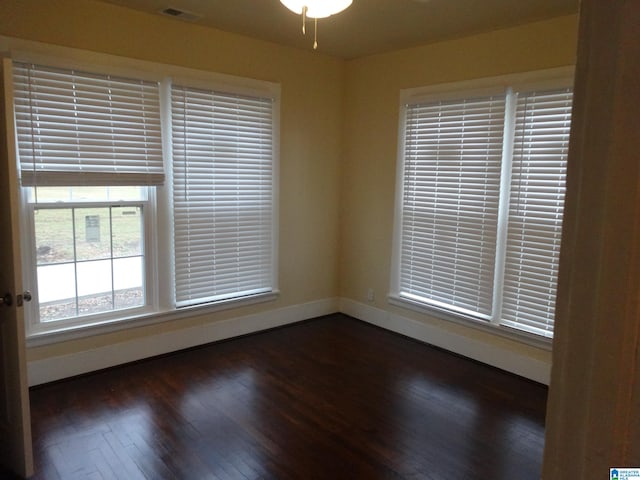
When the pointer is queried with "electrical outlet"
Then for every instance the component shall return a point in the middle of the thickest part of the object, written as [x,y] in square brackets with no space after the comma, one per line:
[370,295]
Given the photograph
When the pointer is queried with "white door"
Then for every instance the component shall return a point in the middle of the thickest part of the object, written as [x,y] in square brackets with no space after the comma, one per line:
[15,420]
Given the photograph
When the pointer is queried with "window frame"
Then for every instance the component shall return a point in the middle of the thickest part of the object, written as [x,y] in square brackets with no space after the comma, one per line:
[561,77]
[36,327]
[186,89]
[158,206]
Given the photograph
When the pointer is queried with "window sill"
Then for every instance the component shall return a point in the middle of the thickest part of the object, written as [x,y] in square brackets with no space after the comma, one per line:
[477,324]
[72,332]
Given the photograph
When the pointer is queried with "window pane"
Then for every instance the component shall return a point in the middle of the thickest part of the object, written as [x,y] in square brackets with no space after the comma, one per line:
[541,145]
[93,233]
[91,280]
[94,287]
[98,303]
[86,194]
[222,195]
[128,274]
[126,224]
[94,277]
[54,235]
[57,291]
[451,182]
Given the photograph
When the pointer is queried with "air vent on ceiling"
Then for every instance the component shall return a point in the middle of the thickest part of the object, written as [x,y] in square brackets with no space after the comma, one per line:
[181,14]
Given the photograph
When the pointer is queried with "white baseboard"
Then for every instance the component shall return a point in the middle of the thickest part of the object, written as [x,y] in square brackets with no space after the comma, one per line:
[507,360]
[64,366]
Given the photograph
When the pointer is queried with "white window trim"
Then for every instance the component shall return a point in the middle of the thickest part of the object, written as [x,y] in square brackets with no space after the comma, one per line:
[542,79]
[141,320]
[192,96]
[158,247]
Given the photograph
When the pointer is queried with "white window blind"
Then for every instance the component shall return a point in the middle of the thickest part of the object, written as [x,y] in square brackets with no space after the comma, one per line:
[222,194]
[79,128]
[452,157]
[536,205]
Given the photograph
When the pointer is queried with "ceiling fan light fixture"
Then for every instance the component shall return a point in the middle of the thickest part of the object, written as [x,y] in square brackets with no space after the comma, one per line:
[317,8]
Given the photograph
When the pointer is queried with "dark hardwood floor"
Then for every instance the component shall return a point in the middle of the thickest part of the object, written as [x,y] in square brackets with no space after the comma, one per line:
[332,398]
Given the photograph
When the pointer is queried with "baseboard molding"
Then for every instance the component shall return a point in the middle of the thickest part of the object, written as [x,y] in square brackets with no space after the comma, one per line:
[64,366]
[507,360]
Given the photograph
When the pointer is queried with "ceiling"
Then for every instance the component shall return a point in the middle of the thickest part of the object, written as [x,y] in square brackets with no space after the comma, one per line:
[368,26]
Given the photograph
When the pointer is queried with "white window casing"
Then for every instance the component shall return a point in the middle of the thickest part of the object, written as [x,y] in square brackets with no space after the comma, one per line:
[451,184]
[480,200]
[80,126]
[223,200]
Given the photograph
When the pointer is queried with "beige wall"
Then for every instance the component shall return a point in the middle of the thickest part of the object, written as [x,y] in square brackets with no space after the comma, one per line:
[338,134]
[311,128]
[370,142]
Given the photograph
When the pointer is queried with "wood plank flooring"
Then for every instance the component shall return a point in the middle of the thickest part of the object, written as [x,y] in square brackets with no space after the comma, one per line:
[332,398]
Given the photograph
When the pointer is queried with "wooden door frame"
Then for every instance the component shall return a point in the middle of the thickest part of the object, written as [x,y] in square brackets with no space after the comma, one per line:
[15,427]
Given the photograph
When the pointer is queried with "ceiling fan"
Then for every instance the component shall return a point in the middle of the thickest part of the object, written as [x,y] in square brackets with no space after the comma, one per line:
[315,9]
